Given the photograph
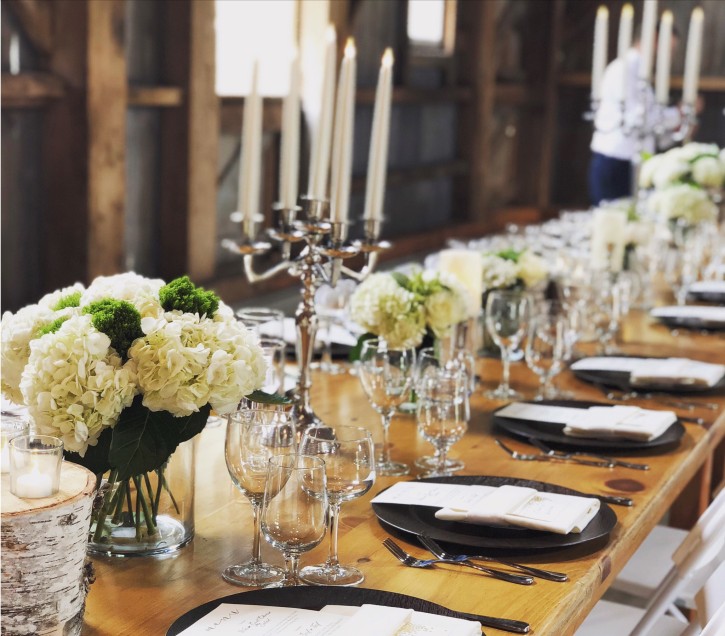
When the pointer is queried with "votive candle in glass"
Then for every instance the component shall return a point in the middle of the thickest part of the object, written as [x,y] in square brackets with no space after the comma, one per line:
[11,427]
[35,462]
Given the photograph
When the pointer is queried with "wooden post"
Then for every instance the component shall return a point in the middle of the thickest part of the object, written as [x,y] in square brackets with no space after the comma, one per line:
[107,93]
[190,136]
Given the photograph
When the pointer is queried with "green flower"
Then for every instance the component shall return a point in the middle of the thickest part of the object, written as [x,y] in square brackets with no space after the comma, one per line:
[182,295]
[119,320]
[71,300]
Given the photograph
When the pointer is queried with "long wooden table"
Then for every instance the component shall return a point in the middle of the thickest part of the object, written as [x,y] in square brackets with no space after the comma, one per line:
[132,597]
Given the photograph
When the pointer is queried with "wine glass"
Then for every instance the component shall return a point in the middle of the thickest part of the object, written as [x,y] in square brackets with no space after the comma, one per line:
[294,509]
[387,378]
[273,351]
[331,304]
[545,350]
[442,412]
[349,457]
[606,311]
[253,436]
[680,272]
[506,319]
[264,321]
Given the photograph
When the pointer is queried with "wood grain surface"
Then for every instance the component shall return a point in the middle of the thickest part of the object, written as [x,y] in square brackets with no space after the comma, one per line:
[146,596]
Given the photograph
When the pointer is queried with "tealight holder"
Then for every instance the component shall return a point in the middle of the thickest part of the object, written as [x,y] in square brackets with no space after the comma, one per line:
[35,462]
[12,427]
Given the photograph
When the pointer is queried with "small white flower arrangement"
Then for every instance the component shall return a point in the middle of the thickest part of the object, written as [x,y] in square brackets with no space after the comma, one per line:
[404,309]
[698,164]
[510,269]
[683,201]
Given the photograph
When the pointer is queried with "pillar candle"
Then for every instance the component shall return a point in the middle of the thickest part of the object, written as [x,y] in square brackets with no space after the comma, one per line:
[320,160]
[378,158]
[649,25]
[624,43]
[599,54]
[289,155]
[664,54]
[608,239]
[343,136]
[251,156]
[693,57]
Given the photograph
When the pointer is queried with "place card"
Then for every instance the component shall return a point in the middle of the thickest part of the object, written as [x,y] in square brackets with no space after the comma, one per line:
[262,620]
[704,313]
[607,363]
[435,495]
[539,412]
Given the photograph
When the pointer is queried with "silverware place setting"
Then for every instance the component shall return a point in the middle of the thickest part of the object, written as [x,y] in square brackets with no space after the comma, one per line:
[562,455]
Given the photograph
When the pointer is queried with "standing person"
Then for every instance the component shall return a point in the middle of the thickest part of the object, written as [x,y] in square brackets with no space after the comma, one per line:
[610,171]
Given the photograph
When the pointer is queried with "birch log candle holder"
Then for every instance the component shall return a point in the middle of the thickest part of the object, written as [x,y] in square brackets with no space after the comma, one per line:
[44,576]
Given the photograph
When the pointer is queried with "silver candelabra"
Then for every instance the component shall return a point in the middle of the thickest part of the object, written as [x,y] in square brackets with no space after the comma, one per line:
[320,261]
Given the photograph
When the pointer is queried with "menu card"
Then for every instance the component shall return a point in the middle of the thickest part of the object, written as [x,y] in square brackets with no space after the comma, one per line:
[704,313]
[644,371]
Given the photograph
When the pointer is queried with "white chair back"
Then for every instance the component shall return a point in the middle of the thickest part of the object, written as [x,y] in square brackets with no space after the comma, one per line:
[699,556]
[716,625]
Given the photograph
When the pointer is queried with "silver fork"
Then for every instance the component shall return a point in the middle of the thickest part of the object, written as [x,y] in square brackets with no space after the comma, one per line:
[506,624]
[530,457]
[413,562]
[437,551]
[553,453]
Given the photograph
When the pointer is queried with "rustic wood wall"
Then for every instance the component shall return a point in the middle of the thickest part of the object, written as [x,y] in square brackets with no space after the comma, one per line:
[118,155]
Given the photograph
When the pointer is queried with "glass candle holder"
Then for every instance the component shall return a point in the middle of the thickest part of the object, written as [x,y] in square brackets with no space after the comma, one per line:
[12,427]
[35,462]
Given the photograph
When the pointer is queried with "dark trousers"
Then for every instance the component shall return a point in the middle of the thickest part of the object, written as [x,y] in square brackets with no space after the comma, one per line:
[609,178]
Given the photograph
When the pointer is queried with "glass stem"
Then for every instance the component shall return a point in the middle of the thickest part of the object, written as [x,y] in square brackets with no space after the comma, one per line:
[291,568]
[332,558]
[506,361]
[256,544]
[442,457]
[386,448]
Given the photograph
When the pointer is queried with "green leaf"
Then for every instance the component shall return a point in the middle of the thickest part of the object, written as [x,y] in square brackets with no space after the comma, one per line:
[260,397]
[401,279]
[96,457]
[355,352]
[510,254]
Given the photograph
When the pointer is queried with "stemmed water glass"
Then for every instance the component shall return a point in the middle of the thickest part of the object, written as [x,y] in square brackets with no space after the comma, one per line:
[331,303]
[387,378]
[253,437]
[606,311]
[680,272]
[294,509]
[506,319]
[545,350]
[349,457]
[442,411]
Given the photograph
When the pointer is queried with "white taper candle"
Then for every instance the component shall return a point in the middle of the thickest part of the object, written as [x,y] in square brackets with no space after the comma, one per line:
[599,54]
[251,155]
[290,152]
[624,43]
[378,158]
[693,57]
[320,160]
[664,55]
[649,26]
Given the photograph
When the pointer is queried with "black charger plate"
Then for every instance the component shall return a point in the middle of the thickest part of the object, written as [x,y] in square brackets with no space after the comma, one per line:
[418,520]
[554,433]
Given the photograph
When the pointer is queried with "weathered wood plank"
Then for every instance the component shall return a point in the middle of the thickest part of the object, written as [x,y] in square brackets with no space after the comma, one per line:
[107,91]
[30,90]
[155,96]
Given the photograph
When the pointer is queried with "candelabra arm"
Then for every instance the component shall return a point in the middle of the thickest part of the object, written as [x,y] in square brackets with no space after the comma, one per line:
[371,261]
[255,277]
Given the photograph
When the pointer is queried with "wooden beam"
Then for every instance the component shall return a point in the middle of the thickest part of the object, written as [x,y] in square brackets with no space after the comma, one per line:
[551,103]
[155,96]
[106,102]
[36,20]
[30,90]
[190,136]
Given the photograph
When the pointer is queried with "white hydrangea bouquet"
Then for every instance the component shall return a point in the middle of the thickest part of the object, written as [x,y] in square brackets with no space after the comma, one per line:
[682,203]
[698,164]
[125,371]
[512,269]
[408,310]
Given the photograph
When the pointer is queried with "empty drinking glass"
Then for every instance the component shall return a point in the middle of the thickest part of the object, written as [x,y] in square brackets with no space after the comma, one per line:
[331,307]
[264,321]
[294,509]
[349,457]
[387,378]
[545,350]
[253,437]
[506,320]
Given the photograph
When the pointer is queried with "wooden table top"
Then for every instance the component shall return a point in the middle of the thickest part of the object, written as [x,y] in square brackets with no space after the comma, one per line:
[140,596]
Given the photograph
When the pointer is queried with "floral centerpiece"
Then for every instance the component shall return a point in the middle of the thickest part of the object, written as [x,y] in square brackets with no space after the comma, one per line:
[682,203]
[512,269]
[407,310]
[124,372]
[698,164]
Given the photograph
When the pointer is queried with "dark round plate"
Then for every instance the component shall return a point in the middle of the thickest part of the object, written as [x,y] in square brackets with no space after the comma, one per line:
[314,598]
[690,322]
[716,297]
[554,433]
[620,380]
[420,520]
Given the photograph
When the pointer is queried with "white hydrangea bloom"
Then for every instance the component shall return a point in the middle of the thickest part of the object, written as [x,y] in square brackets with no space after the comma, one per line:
[683,201]
[140,291]
[695,149]
[670,170]
[648,170]
[52,299]
[444,309]
[17,331]
[75,385]
[386,309]
[532,269]
[709,172]
[186,361]
[498,272]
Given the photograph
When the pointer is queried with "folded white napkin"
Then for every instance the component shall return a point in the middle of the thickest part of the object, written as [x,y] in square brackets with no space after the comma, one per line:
[383,618]
[527,508]
[644,371]
[705,313]
[625,422]
[708,287]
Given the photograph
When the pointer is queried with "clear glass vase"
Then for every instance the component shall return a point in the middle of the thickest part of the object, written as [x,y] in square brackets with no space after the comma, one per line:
[151,514]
